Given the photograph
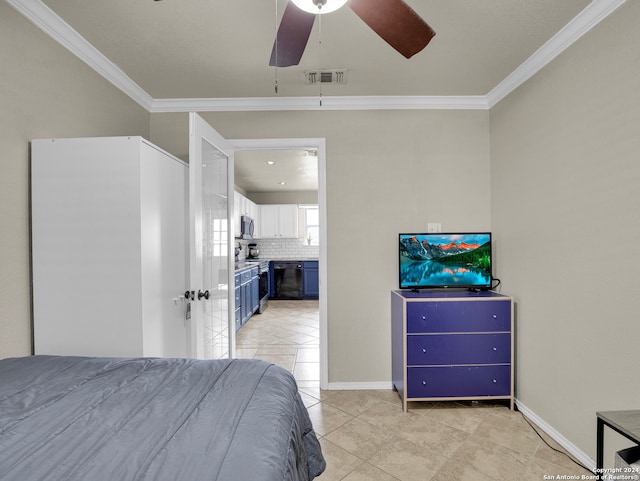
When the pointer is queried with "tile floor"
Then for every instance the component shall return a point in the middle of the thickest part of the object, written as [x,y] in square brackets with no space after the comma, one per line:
[366,437]
[286,334]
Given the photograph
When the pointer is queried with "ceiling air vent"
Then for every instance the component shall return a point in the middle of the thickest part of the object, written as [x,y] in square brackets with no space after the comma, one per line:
[326,76]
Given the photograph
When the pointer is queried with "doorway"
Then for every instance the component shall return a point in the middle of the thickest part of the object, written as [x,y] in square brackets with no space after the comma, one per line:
[318,145]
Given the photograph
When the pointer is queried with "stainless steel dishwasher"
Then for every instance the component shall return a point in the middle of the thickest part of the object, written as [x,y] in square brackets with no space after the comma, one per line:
[287,280]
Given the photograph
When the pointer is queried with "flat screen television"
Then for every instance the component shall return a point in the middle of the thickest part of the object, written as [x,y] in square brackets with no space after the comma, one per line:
[445,260]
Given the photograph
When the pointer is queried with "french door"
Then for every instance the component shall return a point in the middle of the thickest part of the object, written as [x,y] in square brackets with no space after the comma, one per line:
[211,295]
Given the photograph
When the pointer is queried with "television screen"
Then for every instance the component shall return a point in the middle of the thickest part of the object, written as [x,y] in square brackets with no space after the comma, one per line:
[439,260]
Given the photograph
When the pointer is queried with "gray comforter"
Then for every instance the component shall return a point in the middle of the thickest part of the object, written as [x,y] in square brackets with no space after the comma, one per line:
[94,419]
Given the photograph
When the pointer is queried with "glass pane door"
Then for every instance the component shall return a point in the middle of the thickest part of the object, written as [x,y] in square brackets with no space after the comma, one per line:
[210,267]
[215,253]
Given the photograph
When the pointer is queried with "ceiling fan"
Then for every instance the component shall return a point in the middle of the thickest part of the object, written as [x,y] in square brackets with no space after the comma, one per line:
[393,20]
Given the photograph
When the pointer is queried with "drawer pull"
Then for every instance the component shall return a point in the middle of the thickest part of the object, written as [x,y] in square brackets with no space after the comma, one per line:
[495,317]
[424,383]
[495,348]
[424,350]
[424,318]
[495,382]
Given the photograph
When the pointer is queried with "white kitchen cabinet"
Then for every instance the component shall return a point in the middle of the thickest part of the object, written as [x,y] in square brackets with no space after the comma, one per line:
[237,211]
[268,221]
[252,209]
[244,206]
[278,221]
[247,206]
[110,248]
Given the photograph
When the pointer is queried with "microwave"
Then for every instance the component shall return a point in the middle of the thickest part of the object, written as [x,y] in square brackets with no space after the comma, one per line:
[246,227]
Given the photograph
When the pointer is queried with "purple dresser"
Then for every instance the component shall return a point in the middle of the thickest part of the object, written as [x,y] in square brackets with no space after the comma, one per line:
[452,345]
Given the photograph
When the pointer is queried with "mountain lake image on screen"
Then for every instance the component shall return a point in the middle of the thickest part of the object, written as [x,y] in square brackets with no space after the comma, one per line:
[443,260]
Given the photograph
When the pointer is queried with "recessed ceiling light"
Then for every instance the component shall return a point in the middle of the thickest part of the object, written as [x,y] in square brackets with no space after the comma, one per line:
[282,183]
[270,162]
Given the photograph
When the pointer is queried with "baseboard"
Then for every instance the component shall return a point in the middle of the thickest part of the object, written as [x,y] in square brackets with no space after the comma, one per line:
[571,448]
[359,386]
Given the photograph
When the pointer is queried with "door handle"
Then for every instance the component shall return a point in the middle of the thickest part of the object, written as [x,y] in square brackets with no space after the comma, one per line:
[204,294]
[189,295]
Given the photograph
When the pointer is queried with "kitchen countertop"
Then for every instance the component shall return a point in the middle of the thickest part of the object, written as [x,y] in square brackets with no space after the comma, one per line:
[295,259]
[243,265]
[248,264]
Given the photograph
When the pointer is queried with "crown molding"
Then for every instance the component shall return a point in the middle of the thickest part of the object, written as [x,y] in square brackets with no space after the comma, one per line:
[588,18]
[50,23]
[46,20]
[317,103]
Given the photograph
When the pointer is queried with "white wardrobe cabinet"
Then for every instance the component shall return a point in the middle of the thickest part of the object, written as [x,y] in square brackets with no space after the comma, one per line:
[109,248]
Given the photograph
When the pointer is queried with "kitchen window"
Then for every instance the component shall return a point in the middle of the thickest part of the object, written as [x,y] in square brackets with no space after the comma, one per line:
[311,225]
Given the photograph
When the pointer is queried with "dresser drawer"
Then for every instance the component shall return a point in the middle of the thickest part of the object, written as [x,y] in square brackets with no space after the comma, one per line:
[430,349]
[458,381]
[466,316]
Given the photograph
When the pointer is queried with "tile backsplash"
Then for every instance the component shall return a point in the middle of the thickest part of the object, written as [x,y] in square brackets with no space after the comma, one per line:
[281,249]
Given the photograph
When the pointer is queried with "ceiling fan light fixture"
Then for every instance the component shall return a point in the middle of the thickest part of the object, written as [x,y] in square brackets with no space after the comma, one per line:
[319,6]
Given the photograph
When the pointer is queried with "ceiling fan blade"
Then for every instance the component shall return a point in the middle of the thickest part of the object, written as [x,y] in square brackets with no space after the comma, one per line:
[292,37]
[396,22]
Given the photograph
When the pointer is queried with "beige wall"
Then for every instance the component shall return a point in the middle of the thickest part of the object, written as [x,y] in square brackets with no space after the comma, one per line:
[387,172]
[565,185]
[44,92]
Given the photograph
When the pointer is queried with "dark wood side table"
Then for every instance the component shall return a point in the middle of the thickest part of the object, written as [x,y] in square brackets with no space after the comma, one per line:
[626,423]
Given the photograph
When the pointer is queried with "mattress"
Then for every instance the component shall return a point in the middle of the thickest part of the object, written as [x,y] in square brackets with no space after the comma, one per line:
[78,418]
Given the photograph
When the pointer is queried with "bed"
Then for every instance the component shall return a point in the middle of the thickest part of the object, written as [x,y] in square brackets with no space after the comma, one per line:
[80,418]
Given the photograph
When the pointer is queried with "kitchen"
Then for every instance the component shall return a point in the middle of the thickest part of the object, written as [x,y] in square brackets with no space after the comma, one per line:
[277,229]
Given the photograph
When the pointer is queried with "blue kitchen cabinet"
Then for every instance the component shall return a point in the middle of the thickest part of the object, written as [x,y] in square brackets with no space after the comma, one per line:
[247,294]
[255,290]
[310,280]
[238,306]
